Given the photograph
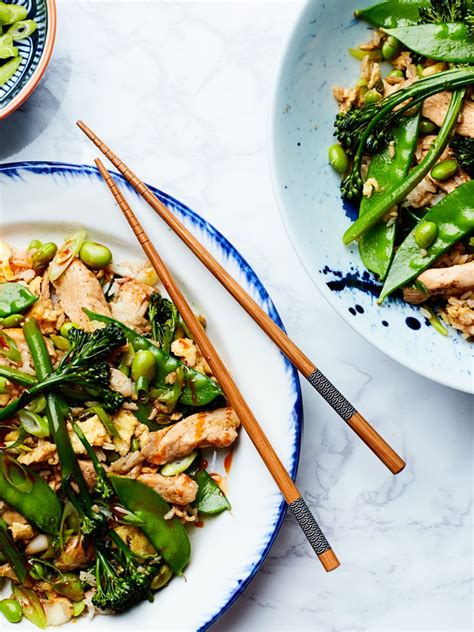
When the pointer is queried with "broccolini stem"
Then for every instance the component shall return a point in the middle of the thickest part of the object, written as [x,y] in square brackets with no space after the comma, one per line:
[13,555]
[393,196]
[57,413]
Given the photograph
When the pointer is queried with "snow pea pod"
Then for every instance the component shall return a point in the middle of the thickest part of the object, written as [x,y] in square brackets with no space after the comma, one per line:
[443,42]
[376,246]
[199,389]
[15,298]
[169,537]
[210,499]
[394,13]
[29,494]
[454,216]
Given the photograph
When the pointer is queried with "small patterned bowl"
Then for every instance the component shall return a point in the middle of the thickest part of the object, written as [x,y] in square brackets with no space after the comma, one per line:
[35,52]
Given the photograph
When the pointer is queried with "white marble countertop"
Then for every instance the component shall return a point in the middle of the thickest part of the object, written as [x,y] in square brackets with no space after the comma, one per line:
[183,90]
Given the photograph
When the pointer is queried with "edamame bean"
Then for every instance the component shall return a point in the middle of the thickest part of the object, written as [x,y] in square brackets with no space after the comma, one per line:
[35,244]
[396,73]
[338,158]
[134,445]
[3,385]
[390,48]
[11,610]
[94,255]
[143,370]
[60,342]
[427,127]
[44,255]
[12,321]
[425,234]
[372,96]
[445,169]
[66,328]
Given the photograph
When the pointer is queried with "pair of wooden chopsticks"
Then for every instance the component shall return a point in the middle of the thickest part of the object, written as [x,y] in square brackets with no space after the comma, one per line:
[289,490]
[304,365]
[295,355]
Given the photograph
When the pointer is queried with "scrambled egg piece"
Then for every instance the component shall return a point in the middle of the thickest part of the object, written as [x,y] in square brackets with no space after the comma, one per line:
[125,422]
[94,431]
[43,451]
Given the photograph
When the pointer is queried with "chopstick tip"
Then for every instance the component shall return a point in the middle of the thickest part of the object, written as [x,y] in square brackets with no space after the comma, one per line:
[329,560]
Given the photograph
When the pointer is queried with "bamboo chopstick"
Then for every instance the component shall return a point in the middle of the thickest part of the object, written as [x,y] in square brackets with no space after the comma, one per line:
[305,366]
[276,468]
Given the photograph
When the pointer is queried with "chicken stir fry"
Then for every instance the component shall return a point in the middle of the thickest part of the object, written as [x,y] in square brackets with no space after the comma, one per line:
[405,150]
[106,406]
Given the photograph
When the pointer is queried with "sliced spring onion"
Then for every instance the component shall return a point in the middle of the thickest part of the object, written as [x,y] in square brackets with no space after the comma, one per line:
[66,254]
[34,424]
[176,467]
[22,29]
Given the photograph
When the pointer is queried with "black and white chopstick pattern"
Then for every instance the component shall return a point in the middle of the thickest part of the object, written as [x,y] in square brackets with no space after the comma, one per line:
[309,526]
[330,393]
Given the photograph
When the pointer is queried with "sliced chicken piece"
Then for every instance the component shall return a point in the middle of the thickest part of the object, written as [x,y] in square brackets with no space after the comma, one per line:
[178,490]
[453,280]
[7,571]
[435,108]
[74,555]
[217,428]
[121,383]
[131,304]
[78,287]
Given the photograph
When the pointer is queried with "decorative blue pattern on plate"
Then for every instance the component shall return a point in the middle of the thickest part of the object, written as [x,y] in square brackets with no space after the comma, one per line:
[61,183]
[308,189]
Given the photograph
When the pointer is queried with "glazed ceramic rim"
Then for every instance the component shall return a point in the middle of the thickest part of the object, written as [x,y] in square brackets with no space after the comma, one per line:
[14,170]
[37,75]
[329,296]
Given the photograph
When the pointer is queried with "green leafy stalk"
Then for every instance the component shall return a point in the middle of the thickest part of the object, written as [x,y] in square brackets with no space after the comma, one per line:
[84,365]
[73,484]
[123,578]
[369,129]
[11,552]
[103,487]
[401,190]
[17,377]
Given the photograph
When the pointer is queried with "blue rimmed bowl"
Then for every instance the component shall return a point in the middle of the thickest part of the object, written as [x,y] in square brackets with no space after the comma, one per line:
[309,197]
[35,54]
[50,200]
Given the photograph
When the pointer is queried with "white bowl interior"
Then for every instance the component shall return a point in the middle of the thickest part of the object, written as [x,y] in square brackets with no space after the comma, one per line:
[310,201]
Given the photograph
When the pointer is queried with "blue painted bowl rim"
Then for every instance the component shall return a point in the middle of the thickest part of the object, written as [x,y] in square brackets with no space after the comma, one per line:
[14,170]
[292,42]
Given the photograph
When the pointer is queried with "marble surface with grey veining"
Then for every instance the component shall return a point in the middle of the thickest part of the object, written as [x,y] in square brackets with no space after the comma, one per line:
[183,90]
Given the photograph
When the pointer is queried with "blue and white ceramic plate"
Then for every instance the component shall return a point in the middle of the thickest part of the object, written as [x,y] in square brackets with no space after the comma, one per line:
[35,52]
[308,190]
[48,200]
